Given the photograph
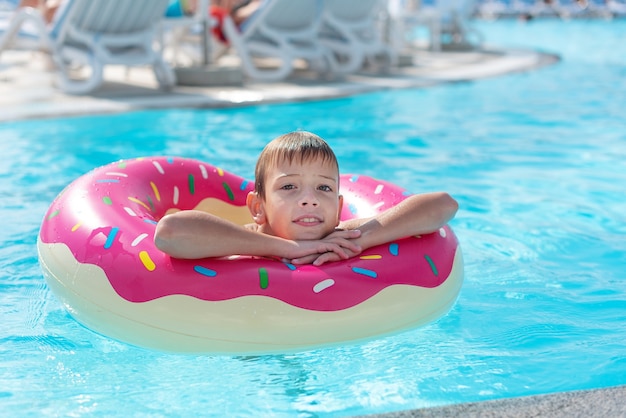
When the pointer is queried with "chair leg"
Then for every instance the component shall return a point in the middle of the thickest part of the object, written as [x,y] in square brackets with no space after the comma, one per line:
[164,74]
[344,58]
[74,86]
[245,54]
[19,18]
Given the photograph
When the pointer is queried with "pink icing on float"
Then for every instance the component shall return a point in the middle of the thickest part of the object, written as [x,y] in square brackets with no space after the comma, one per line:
[97,253]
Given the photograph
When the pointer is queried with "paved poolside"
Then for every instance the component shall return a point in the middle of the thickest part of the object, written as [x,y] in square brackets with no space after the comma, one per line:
[27,87]
[27,91]
[599,403]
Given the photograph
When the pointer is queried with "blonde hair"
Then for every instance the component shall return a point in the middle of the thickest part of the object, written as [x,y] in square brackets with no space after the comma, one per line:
[300,146]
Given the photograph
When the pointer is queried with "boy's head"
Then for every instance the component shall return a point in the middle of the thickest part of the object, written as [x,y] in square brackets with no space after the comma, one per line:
[294,147]
[297,188]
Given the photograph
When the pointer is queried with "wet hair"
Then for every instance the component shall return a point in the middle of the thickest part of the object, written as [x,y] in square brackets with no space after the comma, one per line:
[299,146]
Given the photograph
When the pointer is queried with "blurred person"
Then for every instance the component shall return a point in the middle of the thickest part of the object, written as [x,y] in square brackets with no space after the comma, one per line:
[238,10]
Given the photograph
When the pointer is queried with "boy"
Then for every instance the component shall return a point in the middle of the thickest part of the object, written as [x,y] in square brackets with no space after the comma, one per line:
[296,207]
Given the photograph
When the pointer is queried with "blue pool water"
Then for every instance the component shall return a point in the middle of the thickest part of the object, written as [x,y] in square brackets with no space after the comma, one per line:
[536,161]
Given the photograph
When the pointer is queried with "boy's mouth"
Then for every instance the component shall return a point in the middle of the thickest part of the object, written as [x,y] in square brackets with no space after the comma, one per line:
[307,220]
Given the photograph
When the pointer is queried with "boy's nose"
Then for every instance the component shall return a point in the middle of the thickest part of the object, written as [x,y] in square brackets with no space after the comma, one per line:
[308,198]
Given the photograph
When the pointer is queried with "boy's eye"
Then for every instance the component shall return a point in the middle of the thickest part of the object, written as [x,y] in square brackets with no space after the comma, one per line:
[325,188]
[288,187]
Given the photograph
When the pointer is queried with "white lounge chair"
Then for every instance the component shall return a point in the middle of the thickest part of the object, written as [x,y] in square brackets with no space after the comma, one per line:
[446,21]
[93,34]
[281,31]
[188,36]
[616,7]
[352,30]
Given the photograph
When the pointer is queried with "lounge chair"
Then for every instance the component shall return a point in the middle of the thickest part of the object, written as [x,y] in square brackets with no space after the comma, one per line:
[446,21]
[189,36]
[493,9]
[279,33]
[617,8]
[352,31]
[93,34]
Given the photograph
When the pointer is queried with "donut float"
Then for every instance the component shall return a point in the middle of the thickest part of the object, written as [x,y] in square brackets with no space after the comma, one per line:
[98,257]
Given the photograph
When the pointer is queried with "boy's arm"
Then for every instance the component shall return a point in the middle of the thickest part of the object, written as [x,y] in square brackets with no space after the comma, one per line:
[195,234]
[416,215]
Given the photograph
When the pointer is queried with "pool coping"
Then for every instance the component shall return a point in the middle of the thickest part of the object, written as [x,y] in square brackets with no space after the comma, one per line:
[27,89]
[27,92]
[593,403]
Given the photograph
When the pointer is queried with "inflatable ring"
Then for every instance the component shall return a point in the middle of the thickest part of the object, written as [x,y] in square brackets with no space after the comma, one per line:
[97,254]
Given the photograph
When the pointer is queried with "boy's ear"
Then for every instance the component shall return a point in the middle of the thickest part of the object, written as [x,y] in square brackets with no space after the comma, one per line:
[339,209]
[256,207]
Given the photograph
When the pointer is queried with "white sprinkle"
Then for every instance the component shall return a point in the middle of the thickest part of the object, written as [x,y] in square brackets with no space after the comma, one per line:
[379,189]
[130,211]
[205,175]
[158,167]
[176,193]
[324,284]
[377,205]
[442,232]
[138,240]
[113,173]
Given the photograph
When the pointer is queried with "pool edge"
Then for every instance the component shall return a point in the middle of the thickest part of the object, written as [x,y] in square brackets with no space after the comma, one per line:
[603,402]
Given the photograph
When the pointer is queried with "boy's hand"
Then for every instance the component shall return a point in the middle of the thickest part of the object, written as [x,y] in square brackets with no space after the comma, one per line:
[338,245]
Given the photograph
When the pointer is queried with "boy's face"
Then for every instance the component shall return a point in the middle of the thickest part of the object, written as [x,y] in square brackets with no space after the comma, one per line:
[302,200]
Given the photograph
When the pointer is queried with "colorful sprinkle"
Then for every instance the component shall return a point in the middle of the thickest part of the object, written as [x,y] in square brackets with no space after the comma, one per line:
[263,278]
[205,271]
[150,202]
[192,184]
[121,164]
[111,237]
[170,160]
[158,167]
[371,257]
[442,232]
[394,249]
[353,208]
[147,261]
[365,272]
[354,178]
[150,221]
[433,267]
[137,240]
[115,173]
[324,284]
[176,195]
[220,172]
[290,266]
[378,205]
[130,211]
[75,227]
[243,185]
[53,214]
[107,181]
[134,199]
[156,191]
[107,200]
[205,175]
[379,189]
[229,192]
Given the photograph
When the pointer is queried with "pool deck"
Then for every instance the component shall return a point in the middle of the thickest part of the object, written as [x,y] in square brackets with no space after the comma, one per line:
[27,92]
[27,86]
[599,403]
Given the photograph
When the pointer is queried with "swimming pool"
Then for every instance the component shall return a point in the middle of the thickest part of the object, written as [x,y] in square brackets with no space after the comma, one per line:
[536,161]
